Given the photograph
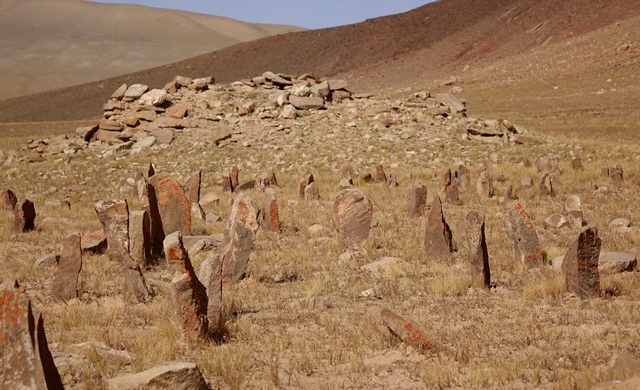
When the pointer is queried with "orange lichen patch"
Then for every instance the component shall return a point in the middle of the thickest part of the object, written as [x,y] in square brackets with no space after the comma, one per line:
[13,308]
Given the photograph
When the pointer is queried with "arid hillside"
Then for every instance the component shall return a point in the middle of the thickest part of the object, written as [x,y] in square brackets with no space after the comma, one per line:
[55,44]
[426,43]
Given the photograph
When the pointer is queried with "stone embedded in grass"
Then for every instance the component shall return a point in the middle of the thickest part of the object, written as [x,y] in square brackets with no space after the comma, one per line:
[311,191]
[381,177]
[478,254]
[173,207]
[188,294]
[24,216]
[556,221]
[543,165]
[484,186]
[233,175]
[27,361]
[193,187]
[140,237]
[391,181]
[525,239]
[408,333]
[573,209]
[580,265]
[9,200]
[65,280]
[270,210]
[136,289]
[451,185]
[168,375]
[464,176]
[114,217]
[246,186]
[304,182]
[546,185]
[351,214]
[438,241]
[94,242]
[416,199]
[576,164]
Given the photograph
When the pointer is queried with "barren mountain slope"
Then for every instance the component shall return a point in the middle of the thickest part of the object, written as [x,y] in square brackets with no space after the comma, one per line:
[53,44]
[381,53]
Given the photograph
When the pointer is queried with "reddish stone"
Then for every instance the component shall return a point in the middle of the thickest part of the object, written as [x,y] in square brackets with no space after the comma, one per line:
[580,265]
[525,239]
[9,200]
[417,199]
[478,254]
[271,180]
[173,207]
[463,174]
[140,237]
[351,215]
[234,176]
[576,164]
[270,210]
[27,361]
[381,177]
[136,290]
[304,182]
[114,217]
[408,333]
[485,186]
[25,216]
[66,278]
[94,242]
[193,192]
[438,240]
[226,184]
[546,185]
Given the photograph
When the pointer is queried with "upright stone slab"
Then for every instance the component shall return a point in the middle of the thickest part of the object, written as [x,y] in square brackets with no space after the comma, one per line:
[351,214]
[193,192]
[416,199]
[9,200]
[478,254]
[149,203]
[173,206]
[451,185]
[24,216]
[114,217]
[188,294]
[304,182]
[580,265]
[311,191]
[239,234]
[226,184]
[140,237]
[438,240]
[485,186]
[270,210]
[525,239]
[543,165]
[26,360]
[546,185]
[381,177]
[573,209]
[464,176]
[235,172]
[136,289]
[65,281]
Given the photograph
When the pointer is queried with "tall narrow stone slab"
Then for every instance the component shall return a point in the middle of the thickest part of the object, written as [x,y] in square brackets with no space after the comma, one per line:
[546,185]
[24,216]
[239,234]
[188,294]
[114,217]
[173,207]
[140,237]
[270,210]
[580,265]
[438,240]
[65,280]
[311,191]
[451,185]
[351,214]
[149,203]
[26,360]
[464,176]
[9,200]
[136,289]
[214,285]
[193,188]
[485,186]
[416,199]
[381,176]
[304,182]
[478,254]
[235,172]
[525,239]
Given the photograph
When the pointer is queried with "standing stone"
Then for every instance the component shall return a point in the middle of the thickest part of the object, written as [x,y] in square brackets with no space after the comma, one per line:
[140,237]
[188,294]
[381,177]
[580,265]
[226,184]
[304,182]
[525,239]
[464,176]
[438,240]
[173,206]
[485,186]
[576,164]
[543,165]
[270,210]
[235,172]
[174,375]
[416,199]
[451,185]
[391,181]
[239,234]
[271,181]
[135,284]
[351,214]
[478,255]
[193,192]
[311,191]
[573,209]
[9,200]
[114,217]
[65,280]
[615,177]
[25,216]
[546,185]
[26,360]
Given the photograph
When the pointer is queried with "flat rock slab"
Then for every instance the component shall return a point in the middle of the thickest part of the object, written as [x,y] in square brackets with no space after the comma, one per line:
[408,333]
[168,375]
[384,266]
[608,262]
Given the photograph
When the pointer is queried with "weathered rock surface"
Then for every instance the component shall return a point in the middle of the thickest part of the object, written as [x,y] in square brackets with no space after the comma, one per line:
[9,200]
[66,278]
[351,214]
[24,216]
[525,239]
[169,375]
[270,214]
[408,333]
[140,237]
[114,217]
[173,207]
[580,265]
[478,254]
[438,241]
[416,199]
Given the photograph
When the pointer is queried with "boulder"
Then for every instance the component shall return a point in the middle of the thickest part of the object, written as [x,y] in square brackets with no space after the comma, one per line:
[351,214]
[155,97]
[169,375]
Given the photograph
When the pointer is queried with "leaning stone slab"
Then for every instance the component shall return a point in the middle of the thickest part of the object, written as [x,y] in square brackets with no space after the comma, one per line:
[26,360]
[24,216]
[193,186]
[525,239]
[114,217]
[580,265]
[408,333]
[478,254]
[351,214]
[65,280]
[438,240]
[169,375]
[9,200]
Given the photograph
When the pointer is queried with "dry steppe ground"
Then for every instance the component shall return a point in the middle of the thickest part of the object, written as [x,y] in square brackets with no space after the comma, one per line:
[524,333]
